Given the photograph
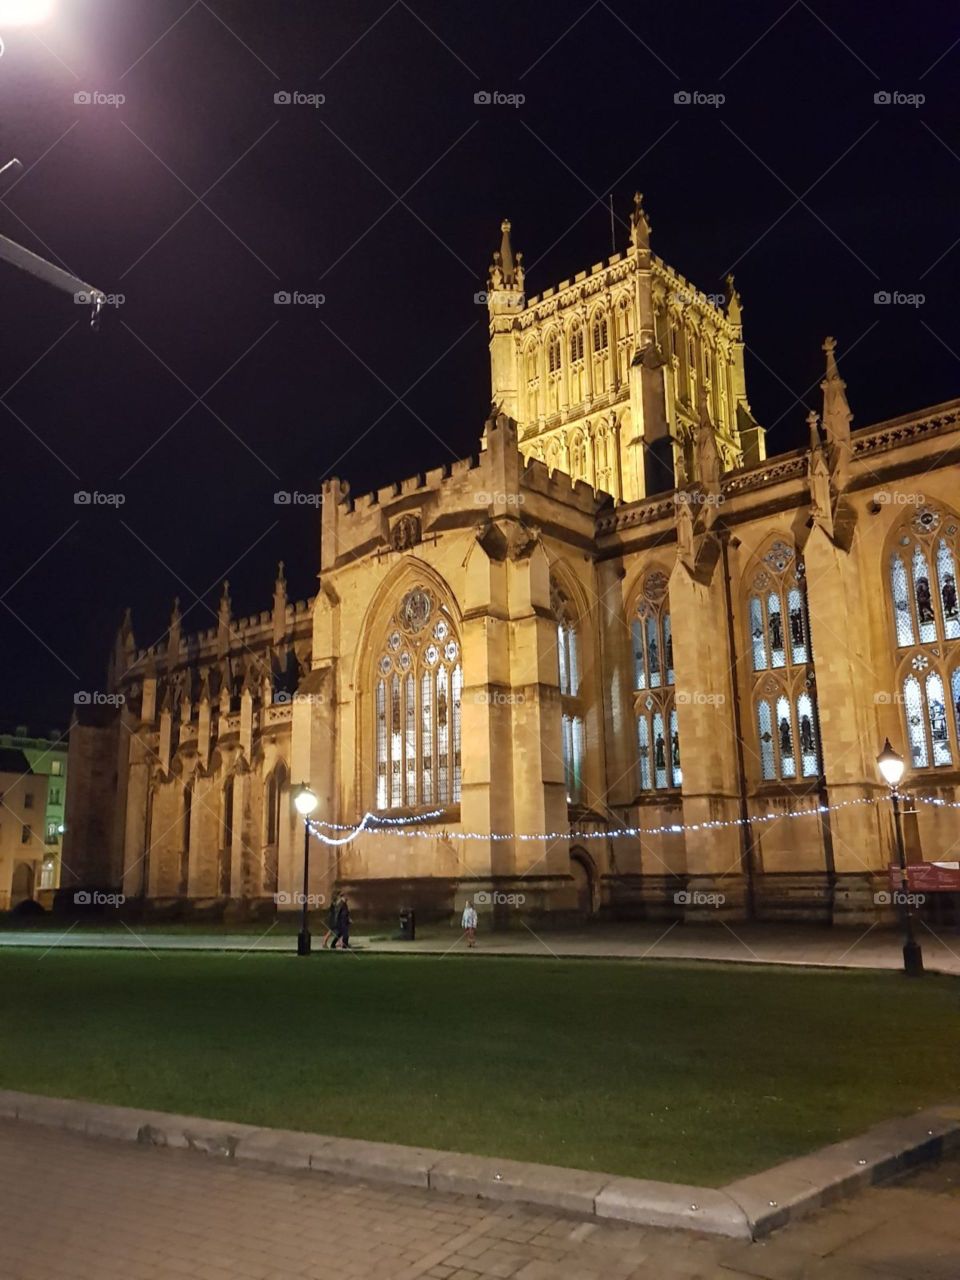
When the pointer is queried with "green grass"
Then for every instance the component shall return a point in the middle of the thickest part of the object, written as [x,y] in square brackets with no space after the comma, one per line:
[689,1073]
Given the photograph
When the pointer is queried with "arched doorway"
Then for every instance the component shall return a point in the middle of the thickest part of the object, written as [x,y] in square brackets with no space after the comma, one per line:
[21,886]
[584,874]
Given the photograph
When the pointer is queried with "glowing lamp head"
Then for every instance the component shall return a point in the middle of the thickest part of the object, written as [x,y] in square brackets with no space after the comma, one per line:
[891,765]
[25,13]
[305,801]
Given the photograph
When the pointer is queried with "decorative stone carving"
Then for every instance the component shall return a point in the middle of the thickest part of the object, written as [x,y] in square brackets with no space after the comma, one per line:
[405,533]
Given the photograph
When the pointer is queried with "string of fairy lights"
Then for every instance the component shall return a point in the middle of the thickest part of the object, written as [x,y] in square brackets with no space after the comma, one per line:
[407,828]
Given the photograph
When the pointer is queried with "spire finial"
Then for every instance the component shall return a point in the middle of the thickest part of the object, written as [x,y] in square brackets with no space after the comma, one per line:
[836,410]
[639,224]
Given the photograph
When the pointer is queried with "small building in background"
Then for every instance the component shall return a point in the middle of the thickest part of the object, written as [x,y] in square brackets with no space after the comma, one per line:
[46,758]
[23,798]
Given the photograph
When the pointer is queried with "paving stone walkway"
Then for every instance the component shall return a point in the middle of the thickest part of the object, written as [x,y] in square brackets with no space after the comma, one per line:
[866,948]
[76,1208]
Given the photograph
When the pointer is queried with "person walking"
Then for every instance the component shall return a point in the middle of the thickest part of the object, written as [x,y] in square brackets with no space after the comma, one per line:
[468,922]
[330,937]
[343,923]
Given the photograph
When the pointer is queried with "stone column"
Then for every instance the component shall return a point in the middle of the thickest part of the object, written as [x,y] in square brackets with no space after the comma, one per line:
[849,732]
[708,744]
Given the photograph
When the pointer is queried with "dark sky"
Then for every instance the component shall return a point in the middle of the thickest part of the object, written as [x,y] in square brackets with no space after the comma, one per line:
[387,200]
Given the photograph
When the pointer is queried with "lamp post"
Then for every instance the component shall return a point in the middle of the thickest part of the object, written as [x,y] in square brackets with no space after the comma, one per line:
[305,801]
[891,766]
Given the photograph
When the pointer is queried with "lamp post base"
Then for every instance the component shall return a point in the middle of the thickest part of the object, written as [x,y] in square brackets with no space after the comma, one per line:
[912,959]
[303,943]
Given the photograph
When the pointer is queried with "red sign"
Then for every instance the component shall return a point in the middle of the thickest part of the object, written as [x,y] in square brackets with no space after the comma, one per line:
[928,877]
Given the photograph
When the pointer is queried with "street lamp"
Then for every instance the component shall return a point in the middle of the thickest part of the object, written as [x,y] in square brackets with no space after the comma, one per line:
[891,766]
[305,802]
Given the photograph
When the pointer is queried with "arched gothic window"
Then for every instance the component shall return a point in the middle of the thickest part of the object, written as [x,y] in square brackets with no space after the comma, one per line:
[570,681]
[274,793]
[578,455]
[784,689]
[658,735]
[926,613]
[417,693]
[554,372]
[577,385]
[601,353]
[625,342]
[531,369]
[603,455]
[226,815]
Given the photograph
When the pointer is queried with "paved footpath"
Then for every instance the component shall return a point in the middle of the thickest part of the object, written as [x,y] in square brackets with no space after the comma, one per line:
[866,948]
[77,1208]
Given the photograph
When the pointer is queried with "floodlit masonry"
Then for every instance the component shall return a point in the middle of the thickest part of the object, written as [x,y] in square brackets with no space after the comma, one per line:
[618,614]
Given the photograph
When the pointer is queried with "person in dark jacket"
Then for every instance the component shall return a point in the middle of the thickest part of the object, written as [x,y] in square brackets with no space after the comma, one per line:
[343,923]
[330,938]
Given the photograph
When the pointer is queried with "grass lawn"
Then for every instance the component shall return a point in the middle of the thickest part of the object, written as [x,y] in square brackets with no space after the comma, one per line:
[688,1073]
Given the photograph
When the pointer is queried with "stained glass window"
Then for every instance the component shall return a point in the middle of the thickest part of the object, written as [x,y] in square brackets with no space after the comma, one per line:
[381,731]
[653,652]
[955,697]
[757,634]
[799,648]
[913,709]
[426,735]
[568,659]
[660,751]
[639,663]
[788,765]
[924,600]
[413,730]
[457,692]
[775,631]
[572,740]
[675,749]
[806,724]
[901,601]
[643,750]
[668,648]
[937,713]
[947,581]
[764,724]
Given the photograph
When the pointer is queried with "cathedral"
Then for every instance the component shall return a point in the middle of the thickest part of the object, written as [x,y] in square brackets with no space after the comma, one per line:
[619,663]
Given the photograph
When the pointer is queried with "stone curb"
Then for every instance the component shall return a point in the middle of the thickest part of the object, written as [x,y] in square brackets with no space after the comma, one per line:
[746,1209]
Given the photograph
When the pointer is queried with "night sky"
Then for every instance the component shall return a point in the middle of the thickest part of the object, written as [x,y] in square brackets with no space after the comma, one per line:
[387,200]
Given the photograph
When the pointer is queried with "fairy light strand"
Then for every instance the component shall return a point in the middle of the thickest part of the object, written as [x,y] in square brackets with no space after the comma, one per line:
[404,828]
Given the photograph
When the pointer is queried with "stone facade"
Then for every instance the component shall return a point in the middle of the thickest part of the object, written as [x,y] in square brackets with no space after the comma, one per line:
[517,662]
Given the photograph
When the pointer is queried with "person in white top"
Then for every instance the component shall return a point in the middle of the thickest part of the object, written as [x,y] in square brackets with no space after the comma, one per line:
[468,922]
